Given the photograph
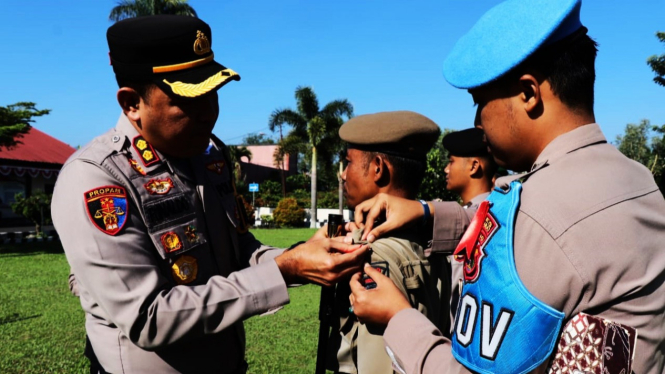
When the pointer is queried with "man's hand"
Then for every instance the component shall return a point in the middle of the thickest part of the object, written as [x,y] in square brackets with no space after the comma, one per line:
[376,306]
[322,261]
[399,213]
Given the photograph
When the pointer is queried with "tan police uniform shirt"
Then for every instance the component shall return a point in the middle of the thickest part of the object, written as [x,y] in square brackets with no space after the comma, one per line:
[589,237]
[138,317]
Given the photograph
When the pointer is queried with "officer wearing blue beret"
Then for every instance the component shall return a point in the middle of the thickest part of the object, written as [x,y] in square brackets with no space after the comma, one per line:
[151,223]
[563,264]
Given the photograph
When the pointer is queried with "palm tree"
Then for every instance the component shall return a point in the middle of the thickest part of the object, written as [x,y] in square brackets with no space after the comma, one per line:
[140,8]
[313,126]
[236,154]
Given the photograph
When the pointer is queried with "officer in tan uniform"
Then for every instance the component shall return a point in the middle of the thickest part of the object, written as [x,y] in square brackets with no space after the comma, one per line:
[577,244]
[386,153]
[469,173]
[151,224]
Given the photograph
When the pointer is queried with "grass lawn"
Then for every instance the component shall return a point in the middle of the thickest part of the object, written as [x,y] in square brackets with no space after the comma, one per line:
[41,323]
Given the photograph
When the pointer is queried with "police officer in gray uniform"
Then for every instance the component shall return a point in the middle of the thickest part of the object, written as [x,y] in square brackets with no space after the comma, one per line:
[151,223]
[565,242]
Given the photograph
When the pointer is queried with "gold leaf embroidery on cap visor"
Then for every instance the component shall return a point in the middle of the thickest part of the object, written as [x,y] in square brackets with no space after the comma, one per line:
[194,90]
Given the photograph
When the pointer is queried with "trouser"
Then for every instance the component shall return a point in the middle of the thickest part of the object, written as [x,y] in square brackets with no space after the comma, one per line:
[95,367]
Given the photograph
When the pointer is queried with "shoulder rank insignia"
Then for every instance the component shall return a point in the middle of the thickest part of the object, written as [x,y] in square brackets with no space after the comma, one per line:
[185,269]
[215,166]
[171,241]
[107,208]
[470,250]
[145,150]
[159,186]
[135,165]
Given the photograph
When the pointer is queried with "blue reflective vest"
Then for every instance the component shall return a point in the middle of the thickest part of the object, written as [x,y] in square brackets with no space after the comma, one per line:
[500,326]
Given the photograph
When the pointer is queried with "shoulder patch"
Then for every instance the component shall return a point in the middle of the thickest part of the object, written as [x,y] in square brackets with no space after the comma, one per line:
[107,208]
[145,151]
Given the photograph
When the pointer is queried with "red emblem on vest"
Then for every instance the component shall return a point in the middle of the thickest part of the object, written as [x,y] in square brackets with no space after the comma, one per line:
[215,166]
[159,186]
[470,250]
[107,208]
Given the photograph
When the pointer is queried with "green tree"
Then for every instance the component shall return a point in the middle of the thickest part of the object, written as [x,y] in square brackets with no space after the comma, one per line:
[433,185]
[139,8]
[657,63]
[15,121]
[639,144]
[258,139]
[36,208]
[314,127]
[236,153]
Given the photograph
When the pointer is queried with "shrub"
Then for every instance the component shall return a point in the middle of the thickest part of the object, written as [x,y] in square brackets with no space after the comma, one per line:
[288,213]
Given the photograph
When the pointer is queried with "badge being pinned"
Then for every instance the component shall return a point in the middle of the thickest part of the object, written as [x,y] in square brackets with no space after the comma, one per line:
[215,166]
[107,208]
[171,242]
[145,150]
[159,186]
[185,269]
[470,250]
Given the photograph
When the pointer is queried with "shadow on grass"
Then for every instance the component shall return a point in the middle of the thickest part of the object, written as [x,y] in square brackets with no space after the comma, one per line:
[30,249]
[16,317]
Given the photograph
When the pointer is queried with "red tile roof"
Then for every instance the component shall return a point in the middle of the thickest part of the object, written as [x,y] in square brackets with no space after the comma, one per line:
[38,147]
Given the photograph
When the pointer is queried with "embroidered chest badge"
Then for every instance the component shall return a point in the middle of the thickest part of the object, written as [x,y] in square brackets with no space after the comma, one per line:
[135,165]
[215,166]
[191,234]
[145,150]
[185,269]
[107,208]
[159,186]
[171,241]
[471,249]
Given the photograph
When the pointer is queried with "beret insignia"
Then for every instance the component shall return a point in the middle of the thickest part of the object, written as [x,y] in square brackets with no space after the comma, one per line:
[107,208]
[171,242]
[470,250]
[159,186]
[145,151]
[185,270]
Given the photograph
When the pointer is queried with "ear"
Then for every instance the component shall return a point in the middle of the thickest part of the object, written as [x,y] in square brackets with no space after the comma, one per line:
[474,166]
[130,102]
[378,166]
[530,93]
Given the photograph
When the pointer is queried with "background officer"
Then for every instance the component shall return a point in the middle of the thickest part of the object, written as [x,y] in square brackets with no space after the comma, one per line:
[566,237]
[152,226]
[386,153]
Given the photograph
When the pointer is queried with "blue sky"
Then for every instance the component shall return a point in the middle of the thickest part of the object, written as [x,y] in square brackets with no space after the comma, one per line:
[380,54]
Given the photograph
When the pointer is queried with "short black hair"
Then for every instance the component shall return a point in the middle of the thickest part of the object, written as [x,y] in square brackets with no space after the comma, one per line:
[408,173]
[143,88]
[569,66]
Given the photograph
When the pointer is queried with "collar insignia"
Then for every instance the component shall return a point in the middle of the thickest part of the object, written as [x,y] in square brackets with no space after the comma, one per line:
[470,250]
[145,151]
[171,242]
[215,166]
[185,269]
[159,186]
[107,208]
[201,44]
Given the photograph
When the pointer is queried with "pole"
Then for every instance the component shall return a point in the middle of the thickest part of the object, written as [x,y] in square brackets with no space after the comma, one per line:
[326,303]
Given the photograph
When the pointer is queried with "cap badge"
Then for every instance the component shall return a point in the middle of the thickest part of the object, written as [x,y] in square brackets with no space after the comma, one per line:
[185,269]
[202,44]
[107,208]
[159,186]
[145,150]
[171,241]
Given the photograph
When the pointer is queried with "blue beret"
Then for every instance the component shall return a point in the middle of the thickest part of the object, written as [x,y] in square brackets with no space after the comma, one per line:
[505,36]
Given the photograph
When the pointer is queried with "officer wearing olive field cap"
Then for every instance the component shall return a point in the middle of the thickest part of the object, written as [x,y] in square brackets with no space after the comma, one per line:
[386,153]
[563,265]
[151,223]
